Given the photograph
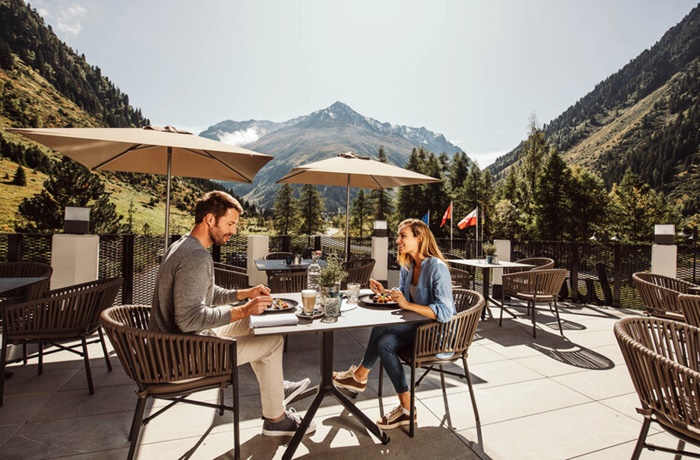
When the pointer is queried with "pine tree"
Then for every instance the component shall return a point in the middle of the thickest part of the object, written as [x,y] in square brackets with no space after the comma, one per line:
[70,184]
[552,210]
[359,211]
[284,210]
[409,198]
[457,172]
[310,206]
[381,200]
[533,154]
[20,177]
[589,203]
[434,194]
[634,207]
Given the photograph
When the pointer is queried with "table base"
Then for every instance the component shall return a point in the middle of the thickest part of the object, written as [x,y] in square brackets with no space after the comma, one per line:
[326,388]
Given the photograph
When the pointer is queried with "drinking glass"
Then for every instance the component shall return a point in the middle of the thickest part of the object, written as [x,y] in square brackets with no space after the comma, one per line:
[308,300]
[353,292]
[331,304]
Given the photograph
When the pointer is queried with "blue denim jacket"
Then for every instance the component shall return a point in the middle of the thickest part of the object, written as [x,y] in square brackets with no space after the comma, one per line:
[434,287]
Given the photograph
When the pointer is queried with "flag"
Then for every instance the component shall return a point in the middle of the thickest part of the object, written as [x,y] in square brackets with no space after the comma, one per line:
[470,220]
[447,215]
[426,218]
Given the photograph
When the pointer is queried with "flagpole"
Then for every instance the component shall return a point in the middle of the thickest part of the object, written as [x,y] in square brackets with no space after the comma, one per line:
[452,211]
[476,237]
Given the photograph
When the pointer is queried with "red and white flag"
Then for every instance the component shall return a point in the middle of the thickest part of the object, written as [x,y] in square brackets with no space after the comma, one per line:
[470,220]
[447,215]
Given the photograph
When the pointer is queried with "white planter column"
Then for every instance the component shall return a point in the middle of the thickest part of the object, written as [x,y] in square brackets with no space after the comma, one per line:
[380,253]
[664,259]
[258,246]
[503,252]
[74,258]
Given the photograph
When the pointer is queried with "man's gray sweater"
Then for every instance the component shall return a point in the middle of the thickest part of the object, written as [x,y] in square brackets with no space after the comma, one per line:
[185,294]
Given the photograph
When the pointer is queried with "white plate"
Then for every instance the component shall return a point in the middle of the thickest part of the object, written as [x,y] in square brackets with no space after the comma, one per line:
[348,306]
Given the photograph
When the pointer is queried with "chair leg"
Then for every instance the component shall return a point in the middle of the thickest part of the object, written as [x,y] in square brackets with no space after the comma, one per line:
[533,314]
[471,389]
[381,379]
[24,354]
[221,401]
[642,438]
[412,415]
[88,372]
[40,367]
[136,427]
[236,418]
[500,318]
[104,349]
[556,312]
[3,362]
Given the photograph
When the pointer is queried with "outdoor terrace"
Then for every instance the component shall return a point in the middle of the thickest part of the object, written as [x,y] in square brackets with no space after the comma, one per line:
[543,398]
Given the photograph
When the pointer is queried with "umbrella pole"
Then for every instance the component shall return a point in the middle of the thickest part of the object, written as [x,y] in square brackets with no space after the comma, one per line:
[167,200]
[347,221]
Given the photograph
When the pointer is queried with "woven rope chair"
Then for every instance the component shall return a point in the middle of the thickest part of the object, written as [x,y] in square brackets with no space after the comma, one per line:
[27,270]
[171,366]
[437,344]
[535,286]
[470,270]
[61,316]
[460,278]
[287,282]
[659,294]
[278,255]
[359,271]
[540,263]
[690,305]
[662,357]
[229,276]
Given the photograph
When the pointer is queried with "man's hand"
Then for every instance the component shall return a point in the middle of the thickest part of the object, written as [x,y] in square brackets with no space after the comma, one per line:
[257,305]
[253,307]
[255,291]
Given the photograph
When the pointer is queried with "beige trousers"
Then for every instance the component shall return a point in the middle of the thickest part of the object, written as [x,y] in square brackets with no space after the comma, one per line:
[265,357]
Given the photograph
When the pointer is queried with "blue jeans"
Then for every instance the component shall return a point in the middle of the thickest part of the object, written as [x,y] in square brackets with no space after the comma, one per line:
[384,343]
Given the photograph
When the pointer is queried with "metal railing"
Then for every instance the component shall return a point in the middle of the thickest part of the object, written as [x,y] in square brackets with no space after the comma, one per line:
[598,272]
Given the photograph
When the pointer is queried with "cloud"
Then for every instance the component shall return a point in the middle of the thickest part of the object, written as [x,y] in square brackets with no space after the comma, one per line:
[484,159]
[242,137]
[64,17]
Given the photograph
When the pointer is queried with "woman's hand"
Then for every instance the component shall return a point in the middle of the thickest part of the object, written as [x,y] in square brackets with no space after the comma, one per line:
[376,286]
[398,297]
[255,291]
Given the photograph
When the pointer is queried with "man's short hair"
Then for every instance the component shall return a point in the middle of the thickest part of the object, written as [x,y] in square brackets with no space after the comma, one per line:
[216,203]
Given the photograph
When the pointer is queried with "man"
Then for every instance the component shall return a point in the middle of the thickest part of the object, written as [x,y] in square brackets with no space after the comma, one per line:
[187,300]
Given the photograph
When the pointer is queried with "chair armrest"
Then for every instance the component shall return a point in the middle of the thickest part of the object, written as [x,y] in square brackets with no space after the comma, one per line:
[453,336]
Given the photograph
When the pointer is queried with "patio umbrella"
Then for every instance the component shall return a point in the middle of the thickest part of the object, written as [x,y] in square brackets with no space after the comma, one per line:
[151,150]
[351,170]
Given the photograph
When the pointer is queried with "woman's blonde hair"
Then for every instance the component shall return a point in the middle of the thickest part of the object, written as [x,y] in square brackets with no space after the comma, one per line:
[427,247]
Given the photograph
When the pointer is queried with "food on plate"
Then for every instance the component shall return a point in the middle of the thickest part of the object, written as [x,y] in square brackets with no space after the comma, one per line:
[381,298]
[279,304]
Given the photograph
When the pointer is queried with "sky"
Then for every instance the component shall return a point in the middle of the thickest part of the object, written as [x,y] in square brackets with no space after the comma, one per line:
[475,71]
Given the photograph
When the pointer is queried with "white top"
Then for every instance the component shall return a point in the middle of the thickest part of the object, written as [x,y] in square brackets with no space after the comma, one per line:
[357,318]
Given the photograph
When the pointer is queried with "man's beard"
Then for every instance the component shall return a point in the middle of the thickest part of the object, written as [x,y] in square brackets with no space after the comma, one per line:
[219,239]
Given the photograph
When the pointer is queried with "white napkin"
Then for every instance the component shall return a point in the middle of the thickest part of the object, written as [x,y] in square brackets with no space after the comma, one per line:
[275,319]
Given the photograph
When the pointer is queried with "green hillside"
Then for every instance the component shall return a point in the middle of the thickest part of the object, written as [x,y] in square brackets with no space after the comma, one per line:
[645,117]
[44,83]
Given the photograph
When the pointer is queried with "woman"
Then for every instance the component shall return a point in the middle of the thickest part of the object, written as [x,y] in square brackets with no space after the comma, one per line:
[425,288]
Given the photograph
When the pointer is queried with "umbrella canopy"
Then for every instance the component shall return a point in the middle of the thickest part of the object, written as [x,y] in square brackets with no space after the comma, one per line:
[151,150]
[350,170]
